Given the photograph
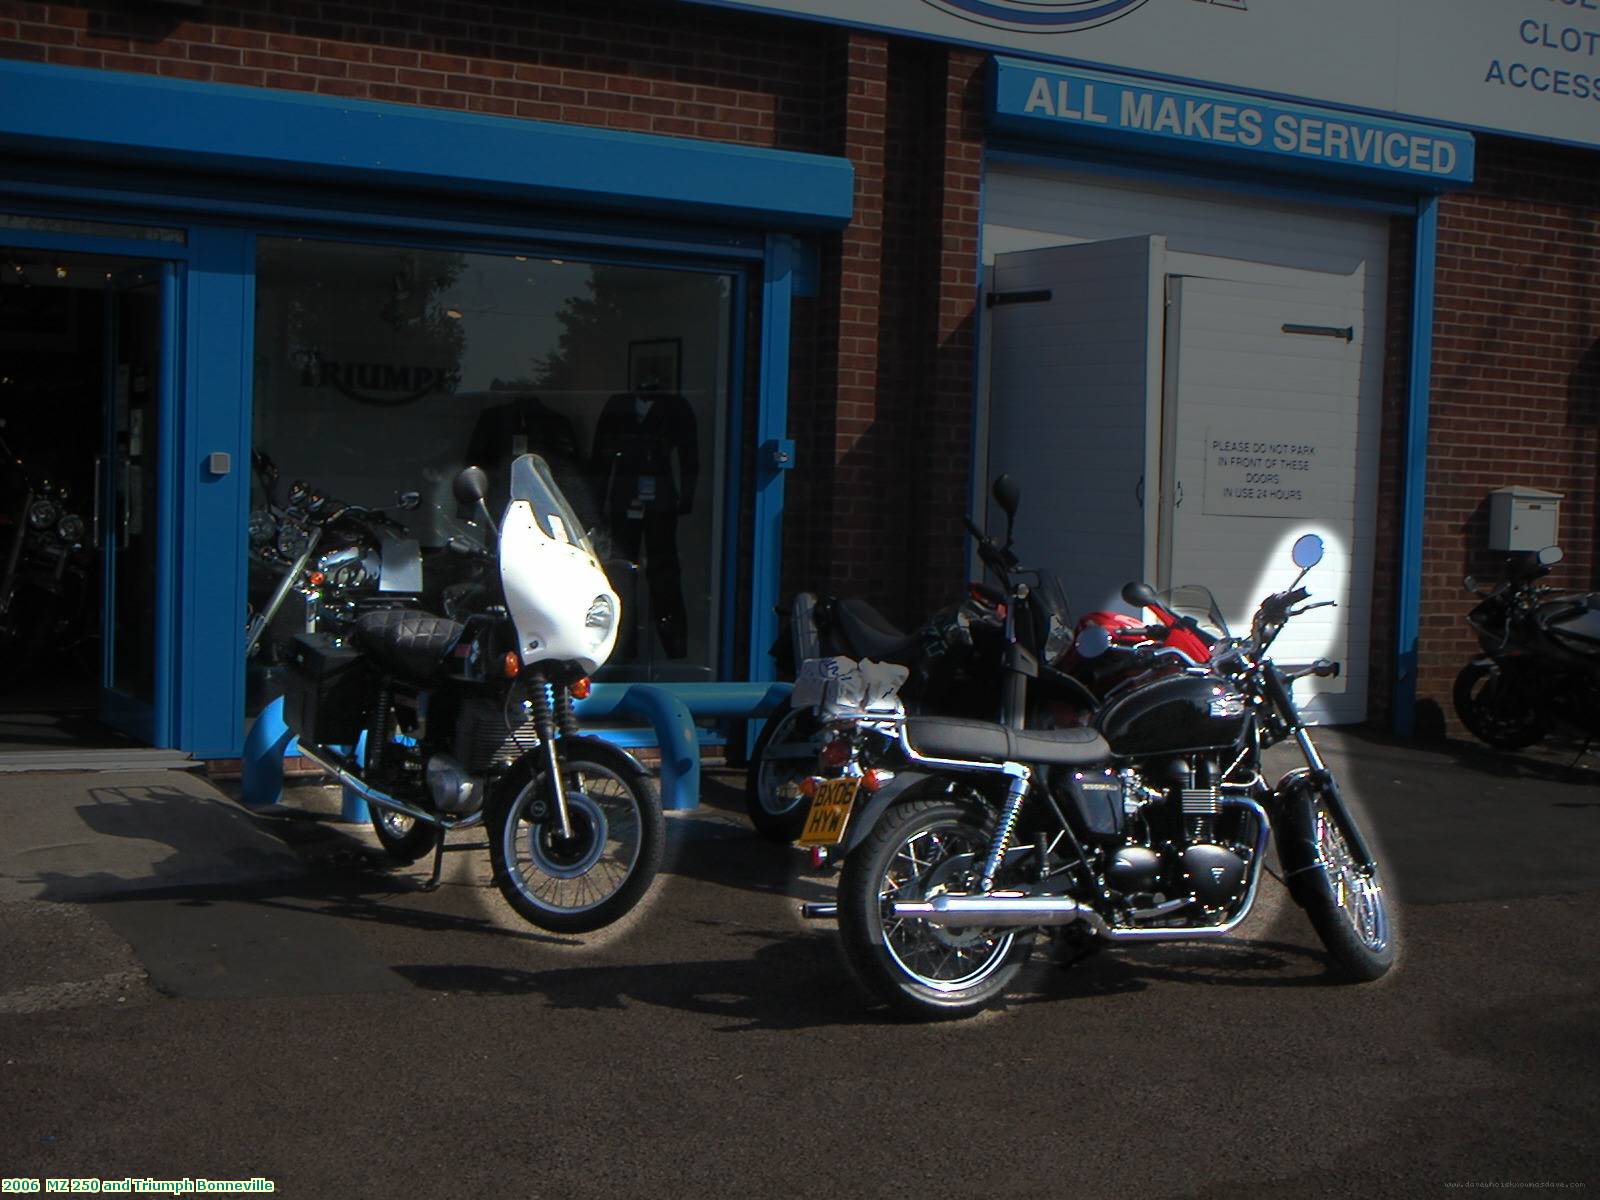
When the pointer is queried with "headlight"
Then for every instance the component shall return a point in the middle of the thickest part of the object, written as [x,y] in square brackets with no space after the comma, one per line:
[70,528]
[292,540]
[262,526]
[43,513]
[602,615]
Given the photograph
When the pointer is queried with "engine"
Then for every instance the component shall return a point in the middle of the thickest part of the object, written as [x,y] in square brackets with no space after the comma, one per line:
[1166,833]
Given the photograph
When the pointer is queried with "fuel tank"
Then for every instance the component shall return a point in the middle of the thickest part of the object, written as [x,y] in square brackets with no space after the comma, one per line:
[1174,714]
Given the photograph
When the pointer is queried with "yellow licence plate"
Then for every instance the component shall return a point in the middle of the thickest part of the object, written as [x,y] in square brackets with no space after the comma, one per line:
[830,810]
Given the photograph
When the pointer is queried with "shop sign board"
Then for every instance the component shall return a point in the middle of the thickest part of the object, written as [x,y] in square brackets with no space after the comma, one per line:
[1529,67]
[1039,100]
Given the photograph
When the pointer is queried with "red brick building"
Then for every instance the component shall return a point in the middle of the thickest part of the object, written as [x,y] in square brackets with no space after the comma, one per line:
[803,227]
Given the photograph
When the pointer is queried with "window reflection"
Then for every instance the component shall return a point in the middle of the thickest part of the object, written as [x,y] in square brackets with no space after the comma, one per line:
[383,370]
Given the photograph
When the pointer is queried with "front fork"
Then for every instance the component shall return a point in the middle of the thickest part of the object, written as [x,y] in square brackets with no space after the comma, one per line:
[1277,688]
[552,706]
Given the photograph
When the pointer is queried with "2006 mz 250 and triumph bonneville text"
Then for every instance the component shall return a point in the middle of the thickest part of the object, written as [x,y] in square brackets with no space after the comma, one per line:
[964,840]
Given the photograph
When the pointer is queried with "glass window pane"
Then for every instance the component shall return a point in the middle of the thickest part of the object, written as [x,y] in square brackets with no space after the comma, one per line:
[381,370]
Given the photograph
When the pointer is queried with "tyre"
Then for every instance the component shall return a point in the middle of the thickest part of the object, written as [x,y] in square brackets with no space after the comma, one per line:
[785,753]
[1500,707]
[922,848]
[1347,903]
[405,839]
[587,881]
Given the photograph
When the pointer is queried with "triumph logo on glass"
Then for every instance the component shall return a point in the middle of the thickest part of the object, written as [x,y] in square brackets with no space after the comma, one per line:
[1032,16]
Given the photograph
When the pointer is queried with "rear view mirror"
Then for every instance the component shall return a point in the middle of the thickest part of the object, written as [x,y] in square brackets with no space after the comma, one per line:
[1550,556]
[1093,641]
[1307,551]
[470,486]
[1007,495]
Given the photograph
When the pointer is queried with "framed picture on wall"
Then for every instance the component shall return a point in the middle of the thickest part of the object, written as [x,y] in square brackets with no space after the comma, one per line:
[656,365]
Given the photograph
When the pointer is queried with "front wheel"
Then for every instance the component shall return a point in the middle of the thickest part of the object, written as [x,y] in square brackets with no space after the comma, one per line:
[1499,706]
[1345,901]
[584,882]
[784,754]
[922,849]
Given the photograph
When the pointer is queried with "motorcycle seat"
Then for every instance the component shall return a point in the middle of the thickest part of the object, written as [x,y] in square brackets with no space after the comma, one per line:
[949,737]
[870,634]
[408,642]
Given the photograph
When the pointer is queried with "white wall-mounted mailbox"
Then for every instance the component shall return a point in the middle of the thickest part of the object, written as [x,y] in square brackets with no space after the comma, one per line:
[1524,518]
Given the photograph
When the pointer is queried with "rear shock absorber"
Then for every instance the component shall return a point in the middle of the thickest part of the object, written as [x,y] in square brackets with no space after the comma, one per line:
[1016,793]
[380,723]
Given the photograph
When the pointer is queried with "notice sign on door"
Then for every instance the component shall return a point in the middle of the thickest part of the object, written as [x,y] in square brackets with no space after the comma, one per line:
[1254,474]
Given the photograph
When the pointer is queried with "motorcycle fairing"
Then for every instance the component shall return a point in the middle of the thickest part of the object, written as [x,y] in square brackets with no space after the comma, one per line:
[558,596]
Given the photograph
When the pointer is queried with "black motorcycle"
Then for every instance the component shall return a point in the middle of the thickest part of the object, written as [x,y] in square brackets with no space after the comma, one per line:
[1540,667]
[963,840]
[445,722]
[45,579]
[954,664]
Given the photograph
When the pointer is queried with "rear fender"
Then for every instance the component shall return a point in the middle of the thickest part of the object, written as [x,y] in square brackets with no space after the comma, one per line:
[864,821]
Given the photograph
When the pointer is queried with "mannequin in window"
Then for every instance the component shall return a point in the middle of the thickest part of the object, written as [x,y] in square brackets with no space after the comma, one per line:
[526,425]
[638,434]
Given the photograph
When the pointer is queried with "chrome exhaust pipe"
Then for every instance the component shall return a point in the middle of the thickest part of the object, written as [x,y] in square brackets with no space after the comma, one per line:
[342,771]
[997,910]
[819,912]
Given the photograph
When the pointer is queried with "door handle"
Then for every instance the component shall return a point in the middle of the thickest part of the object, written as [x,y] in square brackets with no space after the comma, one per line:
[94,521]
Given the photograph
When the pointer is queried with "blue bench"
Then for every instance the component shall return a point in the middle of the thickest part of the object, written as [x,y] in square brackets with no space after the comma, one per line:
[669,709]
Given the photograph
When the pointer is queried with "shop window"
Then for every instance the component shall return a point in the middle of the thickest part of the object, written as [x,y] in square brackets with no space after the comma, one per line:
[381,371]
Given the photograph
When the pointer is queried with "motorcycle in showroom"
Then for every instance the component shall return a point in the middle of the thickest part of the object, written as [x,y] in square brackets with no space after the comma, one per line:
[446,722]
[1539,672]
[46,576]
[964,841]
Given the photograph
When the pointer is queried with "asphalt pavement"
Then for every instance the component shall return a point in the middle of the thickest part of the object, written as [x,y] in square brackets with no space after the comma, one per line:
[193,989]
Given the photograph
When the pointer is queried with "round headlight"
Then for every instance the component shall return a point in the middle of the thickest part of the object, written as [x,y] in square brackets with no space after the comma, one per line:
[43,513]
[70,528]
[262,526]
[600,618]
[292,540]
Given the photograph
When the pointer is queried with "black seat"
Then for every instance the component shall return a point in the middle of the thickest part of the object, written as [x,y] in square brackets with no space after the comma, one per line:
[408,642]
[870,634]
[949,737]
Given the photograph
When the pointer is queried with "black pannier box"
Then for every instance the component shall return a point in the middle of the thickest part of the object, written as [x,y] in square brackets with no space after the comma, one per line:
[328,690]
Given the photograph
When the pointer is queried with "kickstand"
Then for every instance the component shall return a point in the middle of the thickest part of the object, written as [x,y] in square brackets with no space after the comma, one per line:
[1581,753]
[438,858]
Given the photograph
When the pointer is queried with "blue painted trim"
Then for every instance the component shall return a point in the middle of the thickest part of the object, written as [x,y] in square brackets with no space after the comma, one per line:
[149,120]
[771,425]
[733,484]
[1414,485]
[173,377]
[1052,103]
[220,318]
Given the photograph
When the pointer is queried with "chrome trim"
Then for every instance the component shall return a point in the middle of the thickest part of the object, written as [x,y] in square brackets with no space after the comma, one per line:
[819,912]
[330,764]
[1009,909]
[1014,769]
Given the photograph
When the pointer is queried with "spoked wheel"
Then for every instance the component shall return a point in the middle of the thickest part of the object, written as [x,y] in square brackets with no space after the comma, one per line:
[785,753]
[919,850]
[588,880]
[1346,902]
[405,839]
[1500,707]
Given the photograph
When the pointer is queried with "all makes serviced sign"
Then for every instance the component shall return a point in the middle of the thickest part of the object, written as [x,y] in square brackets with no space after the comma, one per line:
[1517,66]
[1059,102]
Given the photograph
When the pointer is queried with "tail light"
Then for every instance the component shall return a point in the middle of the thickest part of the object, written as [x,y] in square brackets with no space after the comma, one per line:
[836,753]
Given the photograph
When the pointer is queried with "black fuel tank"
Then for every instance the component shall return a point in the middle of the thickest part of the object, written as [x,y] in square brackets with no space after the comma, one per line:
[1175,715]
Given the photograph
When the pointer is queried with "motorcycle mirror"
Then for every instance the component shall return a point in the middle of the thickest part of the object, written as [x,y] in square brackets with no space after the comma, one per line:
[471,486]
[1307,551]
[1550,556]
[1140,595]
[1470,583]
[407,501]
[1093,641]
[1007,495]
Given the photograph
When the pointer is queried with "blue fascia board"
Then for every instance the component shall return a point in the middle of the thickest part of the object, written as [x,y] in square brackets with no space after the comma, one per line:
[147,120]
[1044,102]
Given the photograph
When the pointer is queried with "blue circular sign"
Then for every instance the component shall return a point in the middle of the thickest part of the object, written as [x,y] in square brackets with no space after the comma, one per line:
[1038,16]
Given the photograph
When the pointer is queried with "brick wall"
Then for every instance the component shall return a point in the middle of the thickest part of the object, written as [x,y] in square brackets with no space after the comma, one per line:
[637,66]
[1516,380]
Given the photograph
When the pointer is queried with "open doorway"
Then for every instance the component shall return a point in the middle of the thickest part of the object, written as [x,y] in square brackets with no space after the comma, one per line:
[80,350]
